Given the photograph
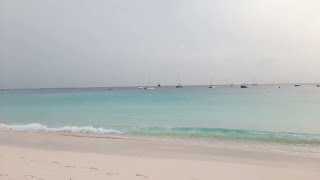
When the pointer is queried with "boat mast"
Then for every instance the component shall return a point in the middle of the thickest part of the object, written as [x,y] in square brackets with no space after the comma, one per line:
[149,79]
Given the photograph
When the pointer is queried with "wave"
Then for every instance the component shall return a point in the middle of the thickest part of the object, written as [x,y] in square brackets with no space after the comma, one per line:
[233,134]
[66,129]
[179,132]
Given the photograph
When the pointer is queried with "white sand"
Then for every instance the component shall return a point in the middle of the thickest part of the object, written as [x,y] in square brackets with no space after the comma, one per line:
[56,157]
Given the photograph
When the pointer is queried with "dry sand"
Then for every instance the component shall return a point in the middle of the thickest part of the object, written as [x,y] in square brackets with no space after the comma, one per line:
[57,157]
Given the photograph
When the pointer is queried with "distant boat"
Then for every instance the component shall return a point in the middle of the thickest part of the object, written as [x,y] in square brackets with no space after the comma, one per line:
[318,85]
[140,87]
[254,82]
[297,85]
[211,85]
[149,87]
[178,84]
[231,85]
[159,85]
[244,85]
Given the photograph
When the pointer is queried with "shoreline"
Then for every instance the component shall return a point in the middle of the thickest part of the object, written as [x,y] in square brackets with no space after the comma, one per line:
[56,156]
[275,145]
[107,144]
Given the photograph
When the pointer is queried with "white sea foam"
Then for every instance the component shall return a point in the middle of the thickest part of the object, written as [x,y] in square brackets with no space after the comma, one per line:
[67,129]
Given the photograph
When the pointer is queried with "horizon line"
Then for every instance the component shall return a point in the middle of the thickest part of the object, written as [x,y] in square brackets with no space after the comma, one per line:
[131,86]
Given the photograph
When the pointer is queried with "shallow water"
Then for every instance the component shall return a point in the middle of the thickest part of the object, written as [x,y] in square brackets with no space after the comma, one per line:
[266,113]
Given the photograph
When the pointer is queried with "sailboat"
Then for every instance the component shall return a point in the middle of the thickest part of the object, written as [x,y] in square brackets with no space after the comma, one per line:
[254,82]
[179,85]
[211,85]
[231,85]
[244,85]
[149,87]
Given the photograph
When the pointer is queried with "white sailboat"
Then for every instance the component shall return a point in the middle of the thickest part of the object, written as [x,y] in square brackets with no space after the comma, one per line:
[178,83]
[231,85]
[149,87]
[211,85]
[254,82]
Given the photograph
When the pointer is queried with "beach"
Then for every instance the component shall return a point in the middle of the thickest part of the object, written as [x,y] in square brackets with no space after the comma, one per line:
[26,155]
[159,90]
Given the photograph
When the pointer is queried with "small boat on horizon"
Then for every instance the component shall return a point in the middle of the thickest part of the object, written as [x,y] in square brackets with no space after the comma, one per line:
[149,87]
[318,85]
[254,82]
[297,85]
[243,86]
[178,83]
[231,84]
[211,85]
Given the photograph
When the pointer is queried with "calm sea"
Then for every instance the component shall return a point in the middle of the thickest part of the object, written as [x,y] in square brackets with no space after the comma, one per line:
[264,113]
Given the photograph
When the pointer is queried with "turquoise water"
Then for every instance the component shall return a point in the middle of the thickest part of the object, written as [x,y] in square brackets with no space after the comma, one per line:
[264,113]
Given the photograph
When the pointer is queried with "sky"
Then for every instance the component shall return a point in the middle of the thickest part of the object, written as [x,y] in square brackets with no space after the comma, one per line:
[81,43]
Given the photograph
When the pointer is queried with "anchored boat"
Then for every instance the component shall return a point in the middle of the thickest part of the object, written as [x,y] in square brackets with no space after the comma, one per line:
[244,86]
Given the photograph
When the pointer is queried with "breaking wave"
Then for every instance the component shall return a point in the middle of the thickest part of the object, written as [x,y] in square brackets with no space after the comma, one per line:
[66,129]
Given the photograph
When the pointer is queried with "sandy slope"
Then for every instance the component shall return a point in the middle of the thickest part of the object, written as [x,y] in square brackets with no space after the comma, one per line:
[34,159]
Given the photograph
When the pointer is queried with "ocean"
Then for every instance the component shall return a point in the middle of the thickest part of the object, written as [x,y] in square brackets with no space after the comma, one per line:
[264,114]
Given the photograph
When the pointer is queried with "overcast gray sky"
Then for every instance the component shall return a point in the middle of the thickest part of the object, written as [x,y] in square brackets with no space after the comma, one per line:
[66,43]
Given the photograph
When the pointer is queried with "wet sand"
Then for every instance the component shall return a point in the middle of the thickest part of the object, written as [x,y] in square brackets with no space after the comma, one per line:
[53,156]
